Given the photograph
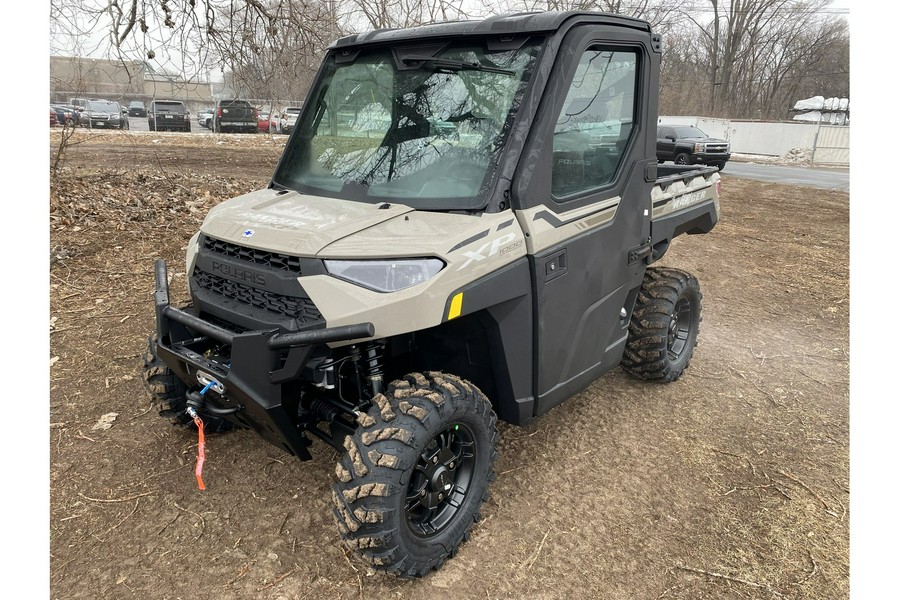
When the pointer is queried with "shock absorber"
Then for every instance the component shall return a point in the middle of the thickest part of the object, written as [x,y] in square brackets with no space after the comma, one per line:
[373,365]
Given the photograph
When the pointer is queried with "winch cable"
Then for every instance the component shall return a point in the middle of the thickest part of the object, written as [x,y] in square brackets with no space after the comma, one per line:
[201,445]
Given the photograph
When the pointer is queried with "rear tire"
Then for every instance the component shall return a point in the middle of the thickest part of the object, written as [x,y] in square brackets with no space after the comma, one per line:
[665,325]
[416,473]
[167,393]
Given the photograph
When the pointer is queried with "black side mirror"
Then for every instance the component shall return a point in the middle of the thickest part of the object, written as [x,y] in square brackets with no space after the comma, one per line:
[670,137]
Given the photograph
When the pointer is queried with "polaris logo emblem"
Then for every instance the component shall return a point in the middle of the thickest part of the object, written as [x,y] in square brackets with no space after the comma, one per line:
[232,272]
[248,233]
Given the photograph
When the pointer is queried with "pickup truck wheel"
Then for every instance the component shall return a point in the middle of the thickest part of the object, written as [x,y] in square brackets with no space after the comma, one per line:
[167,393]
[416,473]
[682,158]
[664,325]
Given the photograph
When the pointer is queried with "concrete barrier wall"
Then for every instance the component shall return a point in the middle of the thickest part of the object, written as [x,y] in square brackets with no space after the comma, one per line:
[830,144]
[773,139]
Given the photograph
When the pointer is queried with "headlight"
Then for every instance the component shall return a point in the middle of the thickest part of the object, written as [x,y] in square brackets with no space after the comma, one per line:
[385,275]
[698,148]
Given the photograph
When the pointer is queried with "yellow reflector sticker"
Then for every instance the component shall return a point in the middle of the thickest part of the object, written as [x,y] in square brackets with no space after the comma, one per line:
[455,306]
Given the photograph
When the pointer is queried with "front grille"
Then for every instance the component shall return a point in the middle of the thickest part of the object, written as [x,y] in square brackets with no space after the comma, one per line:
[719,148]
[301,309]
[274,260]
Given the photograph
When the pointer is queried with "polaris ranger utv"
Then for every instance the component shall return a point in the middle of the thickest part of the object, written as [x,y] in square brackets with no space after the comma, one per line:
[459,229]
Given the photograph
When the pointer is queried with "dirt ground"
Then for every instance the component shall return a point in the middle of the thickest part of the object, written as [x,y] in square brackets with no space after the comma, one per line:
[730,483]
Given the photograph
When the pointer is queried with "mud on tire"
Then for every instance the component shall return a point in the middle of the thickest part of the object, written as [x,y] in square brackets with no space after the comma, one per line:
[167,393]
[415,473]
[665,324]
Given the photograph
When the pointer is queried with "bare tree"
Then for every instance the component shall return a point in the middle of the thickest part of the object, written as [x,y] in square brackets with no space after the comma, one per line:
[753,48]
[661,14]
[742,58]
[383,14]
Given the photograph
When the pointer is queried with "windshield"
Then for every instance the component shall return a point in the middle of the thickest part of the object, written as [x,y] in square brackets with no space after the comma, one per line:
[411,128]
[689,132]
[100,106]
[168,107]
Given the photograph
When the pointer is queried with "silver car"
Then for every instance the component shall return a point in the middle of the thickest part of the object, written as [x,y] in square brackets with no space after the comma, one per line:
[204,117]
[289,118]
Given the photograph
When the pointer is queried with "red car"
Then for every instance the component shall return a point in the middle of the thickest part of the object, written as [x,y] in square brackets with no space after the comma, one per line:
[267,123]
[52,118]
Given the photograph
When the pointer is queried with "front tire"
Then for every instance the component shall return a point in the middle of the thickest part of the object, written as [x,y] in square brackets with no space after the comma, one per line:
[665,325]
[682,158]
[416,473]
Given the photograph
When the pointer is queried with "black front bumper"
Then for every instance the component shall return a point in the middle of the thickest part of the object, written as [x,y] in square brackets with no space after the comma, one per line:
[711,158]
[260,363]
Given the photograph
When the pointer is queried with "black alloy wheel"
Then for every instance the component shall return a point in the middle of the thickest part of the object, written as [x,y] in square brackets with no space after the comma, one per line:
[664,326]
[680,328]
[440,481]
[415,473]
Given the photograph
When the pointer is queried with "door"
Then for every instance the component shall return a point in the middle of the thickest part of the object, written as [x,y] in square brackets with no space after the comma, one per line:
[586,204]
[666,145]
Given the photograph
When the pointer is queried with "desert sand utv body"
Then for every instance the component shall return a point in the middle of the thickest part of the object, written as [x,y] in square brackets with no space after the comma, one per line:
[459,229]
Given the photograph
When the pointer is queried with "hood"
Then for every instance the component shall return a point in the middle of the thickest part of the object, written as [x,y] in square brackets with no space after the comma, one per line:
[704,139]
[293,223]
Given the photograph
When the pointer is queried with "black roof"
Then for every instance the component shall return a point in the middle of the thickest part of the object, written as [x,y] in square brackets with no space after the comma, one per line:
[517,23]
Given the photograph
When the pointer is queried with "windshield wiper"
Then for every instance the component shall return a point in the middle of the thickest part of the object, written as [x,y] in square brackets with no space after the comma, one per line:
[454,65]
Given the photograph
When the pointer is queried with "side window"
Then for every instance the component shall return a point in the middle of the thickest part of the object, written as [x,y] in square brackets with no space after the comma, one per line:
[596,121]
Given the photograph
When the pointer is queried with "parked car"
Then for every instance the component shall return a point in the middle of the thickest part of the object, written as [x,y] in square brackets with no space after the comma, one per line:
[104,114]
[78,102]
[686,145]
[289,118]
[168,115]
[204,117]
[137,108]
[65,114]
[235,116]
[52,117]
[267,122]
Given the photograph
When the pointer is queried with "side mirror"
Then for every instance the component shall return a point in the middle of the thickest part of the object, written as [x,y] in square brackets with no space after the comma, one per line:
[670,137]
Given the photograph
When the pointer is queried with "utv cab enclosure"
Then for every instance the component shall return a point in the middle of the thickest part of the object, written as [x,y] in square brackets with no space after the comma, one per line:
[458,230]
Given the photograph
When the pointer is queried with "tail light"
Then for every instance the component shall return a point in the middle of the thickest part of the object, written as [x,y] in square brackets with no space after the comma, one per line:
[256,114]
[219,112]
